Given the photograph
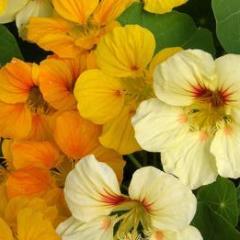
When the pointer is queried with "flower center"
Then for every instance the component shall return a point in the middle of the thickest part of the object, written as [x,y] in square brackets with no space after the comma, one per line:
[209,110]
[36,102]
[137,89]
[134,220]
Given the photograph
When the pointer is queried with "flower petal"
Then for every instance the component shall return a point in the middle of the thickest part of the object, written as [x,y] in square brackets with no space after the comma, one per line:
[76,136]
[176,79]
[109,10]
[189,233]
[15,120]
[75,10]
[191,160]
[34,154]
[91,189]
[159,126]
[118,134]
[170,204]
[100,97]
[126,51]
[228,70]
[225,147]
[38,228]
[41,8]
[98,229]
[9,9]
[5,231]
[57,78]
[162,6]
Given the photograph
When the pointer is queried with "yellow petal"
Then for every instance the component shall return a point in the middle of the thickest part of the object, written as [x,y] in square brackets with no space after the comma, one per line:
[162,6]
[3,5]
[75,10]
[100,97]
[5,231]
[118,134]
[109,10]
[37,229]
[126,51]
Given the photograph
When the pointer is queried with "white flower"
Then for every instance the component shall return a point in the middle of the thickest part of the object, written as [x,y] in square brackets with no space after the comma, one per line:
[194,121]
[156,201]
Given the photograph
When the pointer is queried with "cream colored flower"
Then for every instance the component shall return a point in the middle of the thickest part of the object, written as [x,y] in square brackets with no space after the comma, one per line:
[194,121]
[156,201]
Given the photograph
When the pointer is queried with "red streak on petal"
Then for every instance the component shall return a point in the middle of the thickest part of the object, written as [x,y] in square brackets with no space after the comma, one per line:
[147,205]
[112,199]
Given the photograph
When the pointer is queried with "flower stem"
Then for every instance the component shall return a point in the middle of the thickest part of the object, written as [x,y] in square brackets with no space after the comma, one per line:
[134,161]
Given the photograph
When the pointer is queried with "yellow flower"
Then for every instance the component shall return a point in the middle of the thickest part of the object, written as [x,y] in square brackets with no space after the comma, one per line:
[110,95]
[194,121]
[77,26]
[162,6]
[157,202]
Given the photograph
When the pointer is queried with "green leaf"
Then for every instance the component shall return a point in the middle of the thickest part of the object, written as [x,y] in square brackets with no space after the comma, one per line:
[8,46]
[221,197]
[213,226]
[170,30]
[227,15]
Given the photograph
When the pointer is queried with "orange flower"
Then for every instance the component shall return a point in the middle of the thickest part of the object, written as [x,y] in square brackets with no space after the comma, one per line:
[78,27]
[78,137]
[22,107]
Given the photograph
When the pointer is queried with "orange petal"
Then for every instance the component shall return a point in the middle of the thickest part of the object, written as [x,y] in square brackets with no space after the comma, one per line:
[109,10]
[75,10]
[53,35]
[34,154]
[15,81]
[28,182]
[15,120]
[76,136]
[57,78]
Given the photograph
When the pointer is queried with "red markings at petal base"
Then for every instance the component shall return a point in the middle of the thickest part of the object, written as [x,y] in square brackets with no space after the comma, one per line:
[112,199]
[216,98]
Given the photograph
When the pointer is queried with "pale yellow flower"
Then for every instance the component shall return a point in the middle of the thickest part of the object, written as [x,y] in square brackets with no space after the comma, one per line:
[194,121]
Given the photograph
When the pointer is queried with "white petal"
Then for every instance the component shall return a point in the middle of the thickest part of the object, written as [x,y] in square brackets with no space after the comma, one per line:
[13,6]
[91,189]
[41,8]
[189,233]
[225,147]
[171,204]
[158,126]
[176,79]
[191,161]
[98,229]
[228,72]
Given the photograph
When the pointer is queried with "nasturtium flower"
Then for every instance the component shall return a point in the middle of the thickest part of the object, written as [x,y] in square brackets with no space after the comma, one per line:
[157,201]
[194,121]
[25,219]
[22,11]
[23,110]
[162,6]
[77,26]
[78,137]
[110,95]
